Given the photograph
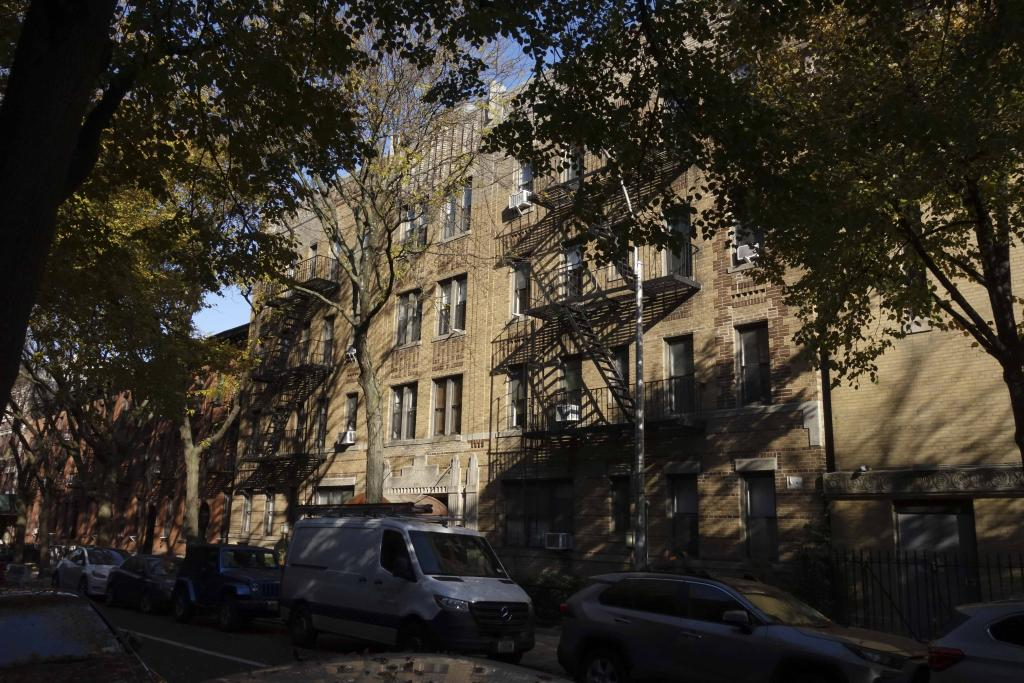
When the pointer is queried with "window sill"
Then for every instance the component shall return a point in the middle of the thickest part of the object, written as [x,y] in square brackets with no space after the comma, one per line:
[408,345]
[741,267]
[440,438]
[453,238]
[449,335]
[516,319]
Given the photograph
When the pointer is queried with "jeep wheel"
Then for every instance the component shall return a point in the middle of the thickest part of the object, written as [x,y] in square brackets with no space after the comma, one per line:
[227,614]
[182,607]
[602,666]
[300,627]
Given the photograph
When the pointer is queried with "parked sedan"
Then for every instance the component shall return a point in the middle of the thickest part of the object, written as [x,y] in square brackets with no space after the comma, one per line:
[143,581]
[50,636]
[86,570]
[664,627]
[984,643]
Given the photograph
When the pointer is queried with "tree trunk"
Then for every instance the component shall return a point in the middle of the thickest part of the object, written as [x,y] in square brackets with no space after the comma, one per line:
[1013,375]
[20,523]
[374,419]
[61,51]
[43,539]
[192,501]
[105,506]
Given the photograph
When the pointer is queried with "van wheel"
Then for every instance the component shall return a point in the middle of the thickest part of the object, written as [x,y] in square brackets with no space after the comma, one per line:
[413,637]
[227,614]
[602,666]
[300,627]
[182,607]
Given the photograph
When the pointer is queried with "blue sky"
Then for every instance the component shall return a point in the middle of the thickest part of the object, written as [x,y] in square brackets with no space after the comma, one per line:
[223,311]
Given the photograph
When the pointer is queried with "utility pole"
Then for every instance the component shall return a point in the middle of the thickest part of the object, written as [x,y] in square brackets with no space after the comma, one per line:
[639,480]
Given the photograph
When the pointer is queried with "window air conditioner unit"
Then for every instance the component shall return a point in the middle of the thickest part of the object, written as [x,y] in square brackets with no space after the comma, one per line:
[567,412]
[519,200]
[559,541]
[347,438]
[746,252]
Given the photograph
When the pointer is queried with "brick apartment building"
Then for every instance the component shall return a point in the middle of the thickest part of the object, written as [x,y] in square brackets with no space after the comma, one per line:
[509,374]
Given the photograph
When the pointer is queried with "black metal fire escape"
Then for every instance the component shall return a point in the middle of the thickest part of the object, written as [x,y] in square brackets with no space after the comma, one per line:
[290,367]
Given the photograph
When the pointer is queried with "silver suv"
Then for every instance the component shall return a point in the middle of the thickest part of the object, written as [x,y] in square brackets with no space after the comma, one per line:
[665,627]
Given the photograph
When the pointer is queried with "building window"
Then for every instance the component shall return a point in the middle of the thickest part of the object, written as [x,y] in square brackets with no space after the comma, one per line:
[301,420]
[415,220]
[517,397]
[570,165]
[268,515]
[452,307]
[246,513]
[522,177]
[754,364]
[521,289]
[448,405]
[572,379]
[679,260]
[321,423]
[620,357]
[457,211]
[333,495]
[403,412]
[746,244]
[621,498]
[410,315]
[535,508]
[572,272]
[682,385]
[760,517]
[351,412]
[935,526]
[683,506]
[328,349]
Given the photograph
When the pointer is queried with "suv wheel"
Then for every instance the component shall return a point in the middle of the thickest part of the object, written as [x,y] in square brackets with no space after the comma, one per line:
[300,627]
[227,614]
[603,666]
[182,606]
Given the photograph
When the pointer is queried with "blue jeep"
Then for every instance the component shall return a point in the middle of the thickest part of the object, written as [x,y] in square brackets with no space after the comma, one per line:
[237,582]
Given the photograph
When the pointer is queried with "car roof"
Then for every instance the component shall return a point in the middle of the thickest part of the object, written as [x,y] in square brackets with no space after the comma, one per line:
[367,522]
[994,608]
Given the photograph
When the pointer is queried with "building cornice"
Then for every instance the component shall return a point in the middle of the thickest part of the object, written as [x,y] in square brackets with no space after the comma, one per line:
[924,481]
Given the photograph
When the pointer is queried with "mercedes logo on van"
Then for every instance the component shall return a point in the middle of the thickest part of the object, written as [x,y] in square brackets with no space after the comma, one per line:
[505,613]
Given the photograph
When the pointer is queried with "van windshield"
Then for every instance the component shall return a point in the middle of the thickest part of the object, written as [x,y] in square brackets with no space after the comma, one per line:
[455,555]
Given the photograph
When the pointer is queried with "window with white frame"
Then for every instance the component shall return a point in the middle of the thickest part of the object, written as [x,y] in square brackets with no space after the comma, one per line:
[333,495]
[746,244]
[351,411]
[415,221]
[679,257]
[570,165]
[522,177]
[410,316]
[246,513]
[517,397]
[452,305]
[448,405]
[322,407]
[682,385]
[520,289]
[403,412]
[268,514]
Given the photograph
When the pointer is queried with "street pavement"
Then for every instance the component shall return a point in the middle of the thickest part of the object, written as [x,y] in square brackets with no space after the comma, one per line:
[197,651]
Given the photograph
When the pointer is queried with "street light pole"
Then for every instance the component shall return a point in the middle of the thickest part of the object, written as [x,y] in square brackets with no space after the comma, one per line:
[639,479]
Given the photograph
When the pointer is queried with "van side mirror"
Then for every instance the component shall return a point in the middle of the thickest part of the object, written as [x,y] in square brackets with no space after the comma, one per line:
[403,569]
[739,618]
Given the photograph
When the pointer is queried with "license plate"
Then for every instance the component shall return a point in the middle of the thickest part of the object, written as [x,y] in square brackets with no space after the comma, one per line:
[506,645]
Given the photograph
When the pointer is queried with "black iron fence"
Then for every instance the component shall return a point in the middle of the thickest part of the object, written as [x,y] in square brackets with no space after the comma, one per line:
[915,593]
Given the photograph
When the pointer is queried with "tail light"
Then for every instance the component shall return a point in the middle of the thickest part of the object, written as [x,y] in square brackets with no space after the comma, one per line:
[941,658]
[566,610]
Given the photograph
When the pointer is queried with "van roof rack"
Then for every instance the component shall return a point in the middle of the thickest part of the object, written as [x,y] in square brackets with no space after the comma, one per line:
[419,513]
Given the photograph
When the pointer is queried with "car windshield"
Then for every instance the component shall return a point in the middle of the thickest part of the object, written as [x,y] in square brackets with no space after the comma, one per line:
[248,559]
[455,555]
[162,566]
[783,608]
[37,628]
[104,556]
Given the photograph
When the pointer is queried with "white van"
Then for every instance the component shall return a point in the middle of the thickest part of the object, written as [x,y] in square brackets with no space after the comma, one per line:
[403,582]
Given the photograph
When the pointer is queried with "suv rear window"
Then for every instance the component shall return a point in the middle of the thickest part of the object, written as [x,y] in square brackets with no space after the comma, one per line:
[1009,630]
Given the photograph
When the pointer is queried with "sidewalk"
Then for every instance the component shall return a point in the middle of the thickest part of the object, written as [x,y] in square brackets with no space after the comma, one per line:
[544,655]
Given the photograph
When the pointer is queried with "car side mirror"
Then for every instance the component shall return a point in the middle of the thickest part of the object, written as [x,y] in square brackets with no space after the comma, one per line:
[739,618]
[403,569]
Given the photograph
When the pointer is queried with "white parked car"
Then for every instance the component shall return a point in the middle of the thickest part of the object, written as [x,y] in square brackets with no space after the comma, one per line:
[985,644]
[86,570]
